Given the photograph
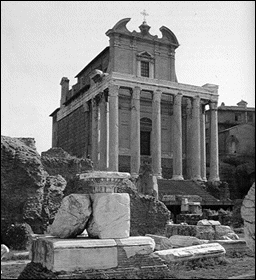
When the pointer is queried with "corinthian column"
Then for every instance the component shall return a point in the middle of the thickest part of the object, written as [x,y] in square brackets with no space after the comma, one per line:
[177,138]
[103,164]
[202,144]
[95,133]
[156,134]
[214,149]
[196,164]
[113,128]
[135,132]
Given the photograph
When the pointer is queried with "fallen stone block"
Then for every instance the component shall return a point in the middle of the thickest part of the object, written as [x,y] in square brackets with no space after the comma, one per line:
[192,252]
[72,216]
[111,216]
[231,246]
[162,242]
[177,241]
[206,222]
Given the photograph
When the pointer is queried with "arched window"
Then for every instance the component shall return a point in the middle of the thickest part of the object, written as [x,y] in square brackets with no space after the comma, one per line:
[232,144]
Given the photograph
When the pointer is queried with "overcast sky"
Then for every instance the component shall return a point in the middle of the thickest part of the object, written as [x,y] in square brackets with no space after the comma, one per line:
[43,41]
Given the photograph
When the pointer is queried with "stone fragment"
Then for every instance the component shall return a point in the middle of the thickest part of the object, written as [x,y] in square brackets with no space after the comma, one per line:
[221,231]
[111,216]
[248,215]
[205,222]
[192,252]
[72,216]
[205,232]
[135,245]
[162,242]
[177,241]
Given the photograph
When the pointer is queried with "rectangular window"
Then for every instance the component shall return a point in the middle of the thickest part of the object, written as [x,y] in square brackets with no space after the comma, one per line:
[250,116]
[238,117]
[144,69]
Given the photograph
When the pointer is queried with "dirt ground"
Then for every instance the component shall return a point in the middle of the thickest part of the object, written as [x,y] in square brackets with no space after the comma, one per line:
[232,267]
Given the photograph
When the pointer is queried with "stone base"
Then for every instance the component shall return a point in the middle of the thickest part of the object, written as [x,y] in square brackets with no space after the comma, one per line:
[84,253]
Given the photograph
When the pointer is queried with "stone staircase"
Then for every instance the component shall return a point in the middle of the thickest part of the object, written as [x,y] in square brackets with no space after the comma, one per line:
[186,187]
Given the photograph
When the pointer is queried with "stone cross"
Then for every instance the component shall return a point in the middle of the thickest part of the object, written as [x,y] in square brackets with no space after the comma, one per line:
[144,13]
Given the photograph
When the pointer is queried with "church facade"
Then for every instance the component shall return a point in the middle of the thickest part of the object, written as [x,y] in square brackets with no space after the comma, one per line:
[128,108]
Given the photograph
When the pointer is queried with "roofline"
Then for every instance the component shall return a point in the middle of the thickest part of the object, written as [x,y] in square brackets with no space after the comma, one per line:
[227,129]
[54,112]
[235,108]
[95,58]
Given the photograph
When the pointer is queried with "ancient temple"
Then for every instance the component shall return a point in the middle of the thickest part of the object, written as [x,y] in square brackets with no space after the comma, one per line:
[128,108]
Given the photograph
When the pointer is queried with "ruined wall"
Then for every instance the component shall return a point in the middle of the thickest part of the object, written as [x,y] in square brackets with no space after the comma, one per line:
[32,187]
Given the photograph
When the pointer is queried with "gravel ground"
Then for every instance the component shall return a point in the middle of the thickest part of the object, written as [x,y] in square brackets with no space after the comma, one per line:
[233,267]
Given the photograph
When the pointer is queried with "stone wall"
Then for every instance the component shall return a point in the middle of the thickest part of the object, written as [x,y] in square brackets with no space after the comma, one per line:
[32,187]
[248,214]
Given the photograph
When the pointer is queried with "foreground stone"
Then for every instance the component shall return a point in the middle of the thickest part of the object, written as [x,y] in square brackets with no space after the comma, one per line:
[111,216]
[233,246]
[204,232]
[83,253]
[72,216]
[248,214]
[162,243]
[178,241]
[192,252]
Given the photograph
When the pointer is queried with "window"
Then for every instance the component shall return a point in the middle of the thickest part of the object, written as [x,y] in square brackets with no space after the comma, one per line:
[250,116]
[145,143]
[237,117]
[144,69]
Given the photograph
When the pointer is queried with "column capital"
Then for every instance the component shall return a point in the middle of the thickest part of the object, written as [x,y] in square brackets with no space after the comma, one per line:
[136,92]
[196,101]
[86,107]
[178,99]
[213,105]
[113,89]
[157,94]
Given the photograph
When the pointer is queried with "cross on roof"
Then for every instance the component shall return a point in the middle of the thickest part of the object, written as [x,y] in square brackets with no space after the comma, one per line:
[144,13]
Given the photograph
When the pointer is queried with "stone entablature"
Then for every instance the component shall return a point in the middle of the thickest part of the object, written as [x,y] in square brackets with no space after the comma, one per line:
[125,80]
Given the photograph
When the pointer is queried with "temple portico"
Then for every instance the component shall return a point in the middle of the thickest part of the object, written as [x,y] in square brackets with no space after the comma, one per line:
[137,111]
[106,133]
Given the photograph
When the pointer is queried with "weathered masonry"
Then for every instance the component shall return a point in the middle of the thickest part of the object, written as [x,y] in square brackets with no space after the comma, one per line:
[127,107]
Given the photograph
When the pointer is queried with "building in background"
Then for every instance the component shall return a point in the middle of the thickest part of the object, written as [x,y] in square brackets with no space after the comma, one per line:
[236,130]
[128,108]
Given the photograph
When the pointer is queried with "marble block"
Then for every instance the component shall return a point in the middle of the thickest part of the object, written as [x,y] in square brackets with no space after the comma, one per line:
[111,216]
[191,252]
[72,216]
[84,253]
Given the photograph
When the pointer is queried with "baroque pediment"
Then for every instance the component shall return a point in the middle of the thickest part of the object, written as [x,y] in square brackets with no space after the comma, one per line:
[167,35]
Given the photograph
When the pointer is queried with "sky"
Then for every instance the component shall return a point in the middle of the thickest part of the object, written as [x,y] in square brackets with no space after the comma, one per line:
[43,41]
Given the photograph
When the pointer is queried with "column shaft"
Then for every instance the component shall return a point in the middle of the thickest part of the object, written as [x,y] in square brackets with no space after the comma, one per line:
[202,143]
[189,138]
[196,163]
[95,133]
[156,134]
[103,133]
[214,149]
[135,132]
[113,128]
[177,138]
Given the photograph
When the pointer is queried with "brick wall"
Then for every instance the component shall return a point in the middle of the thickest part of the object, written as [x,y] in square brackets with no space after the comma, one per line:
[73,133]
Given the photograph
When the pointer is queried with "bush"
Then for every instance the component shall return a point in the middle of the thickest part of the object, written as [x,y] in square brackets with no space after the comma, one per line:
[17,236]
